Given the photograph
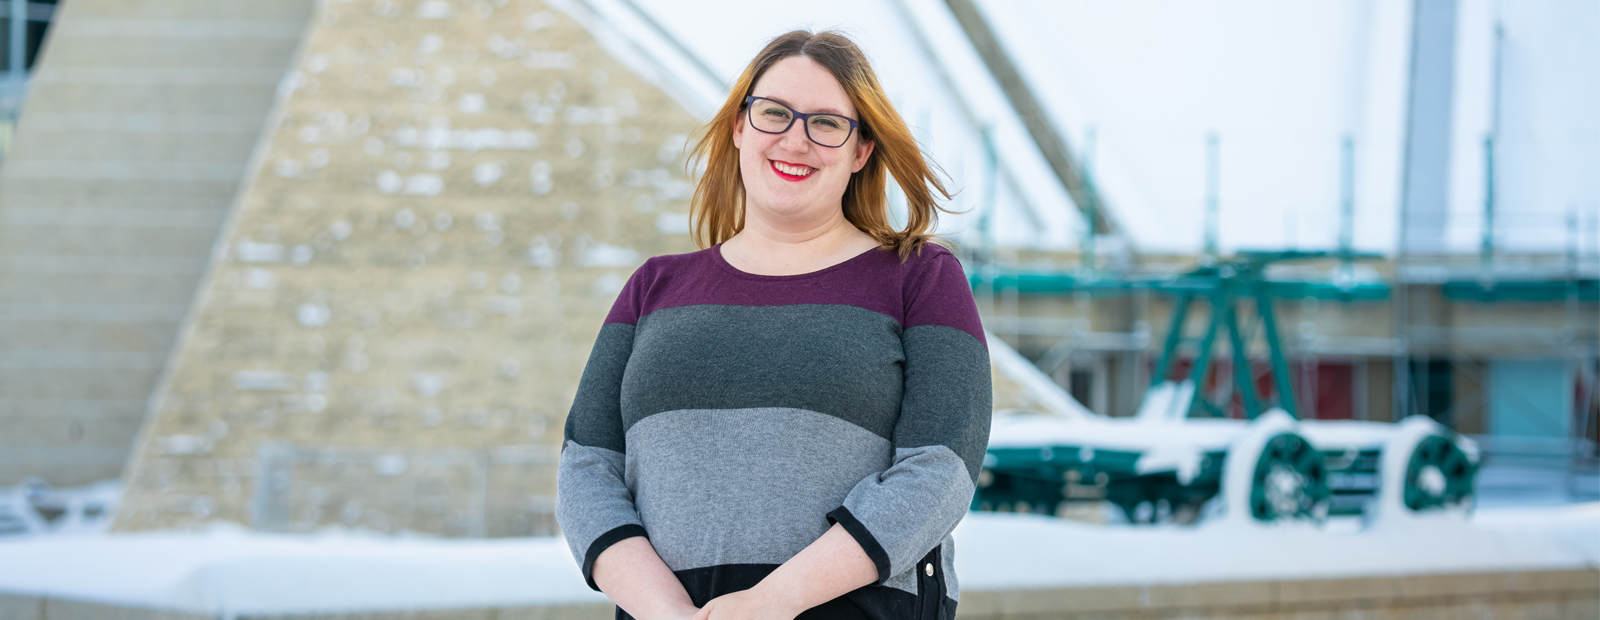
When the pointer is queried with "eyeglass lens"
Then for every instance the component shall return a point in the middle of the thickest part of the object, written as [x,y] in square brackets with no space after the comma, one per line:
[824,129]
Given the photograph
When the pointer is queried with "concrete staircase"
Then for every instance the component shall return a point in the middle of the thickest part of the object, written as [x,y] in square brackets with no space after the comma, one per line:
[130,149]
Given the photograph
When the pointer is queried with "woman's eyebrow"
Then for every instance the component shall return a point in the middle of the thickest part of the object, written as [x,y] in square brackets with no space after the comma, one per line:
[818,111]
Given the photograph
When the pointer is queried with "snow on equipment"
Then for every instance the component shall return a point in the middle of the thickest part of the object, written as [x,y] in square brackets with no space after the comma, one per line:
[1181,451]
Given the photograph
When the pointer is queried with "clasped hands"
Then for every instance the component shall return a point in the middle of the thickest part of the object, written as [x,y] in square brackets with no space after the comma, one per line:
[752,604]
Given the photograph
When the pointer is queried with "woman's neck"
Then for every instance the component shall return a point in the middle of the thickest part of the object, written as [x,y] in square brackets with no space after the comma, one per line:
[793,248]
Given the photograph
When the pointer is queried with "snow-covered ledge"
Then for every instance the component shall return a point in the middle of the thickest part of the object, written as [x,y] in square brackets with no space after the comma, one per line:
[1510,595]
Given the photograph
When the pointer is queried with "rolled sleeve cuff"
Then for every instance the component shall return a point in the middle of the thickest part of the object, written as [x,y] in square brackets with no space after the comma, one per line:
[868,542]
[612,537]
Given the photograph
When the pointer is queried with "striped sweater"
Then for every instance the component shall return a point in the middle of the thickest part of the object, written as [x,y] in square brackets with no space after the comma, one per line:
[732,418]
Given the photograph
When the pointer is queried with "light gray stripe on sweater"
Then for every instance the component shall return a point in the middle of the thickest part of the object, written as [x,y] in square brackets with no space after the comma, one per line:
[915,504]
[906,581]
[744,486]
[590,496]
[947,555]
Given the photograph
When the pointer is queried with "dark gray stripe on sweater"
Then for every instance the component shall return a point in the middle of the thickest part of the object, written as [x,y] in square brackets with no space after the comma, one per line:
[948,396]
[744,486]
[842,361]
[595,418]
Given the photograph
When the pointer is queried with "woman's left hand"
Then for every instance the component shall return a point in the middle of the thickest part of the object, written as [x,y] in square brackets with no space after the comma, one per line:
[746,605]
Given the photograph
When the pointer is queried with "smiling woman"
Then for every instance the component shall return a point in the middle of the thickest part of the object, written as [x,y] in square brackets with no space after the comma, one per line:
[820,73]
[788,423]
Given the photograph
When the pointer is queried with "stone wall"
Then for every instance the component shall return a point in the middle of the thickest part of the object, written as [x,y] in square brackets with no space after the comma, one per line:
[449,197]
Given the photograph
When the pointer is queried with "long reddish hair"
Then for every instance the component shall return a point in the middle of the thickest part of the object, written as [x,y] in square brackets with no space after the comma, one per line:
[717,210]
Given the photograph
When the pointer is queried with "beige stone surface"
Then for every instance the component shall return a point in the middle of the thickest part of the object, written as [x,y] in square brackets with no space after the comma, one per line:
[56,609]
[1564,595]
[436,614]
[1333,590]
[557,612]
[18,607]
[447,201]
[1200,596]
[1063,601]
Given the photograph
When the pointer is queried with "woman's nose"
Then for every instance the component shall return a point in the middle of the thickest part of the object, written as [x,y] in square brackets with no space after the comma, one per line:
[795,138]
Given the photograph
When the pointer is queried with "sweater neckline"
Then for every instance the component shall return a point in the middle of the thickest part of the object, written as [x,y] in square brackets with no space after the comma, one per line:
[723,264]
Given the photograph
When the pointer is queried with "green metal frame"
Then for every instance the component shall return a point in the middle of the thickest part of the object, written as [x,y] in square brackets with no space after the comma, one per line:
[1225,286]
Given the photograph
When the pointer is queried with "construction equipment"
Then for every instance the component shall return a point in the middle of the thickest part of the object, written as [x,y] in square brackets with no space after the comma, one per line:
[1172,458]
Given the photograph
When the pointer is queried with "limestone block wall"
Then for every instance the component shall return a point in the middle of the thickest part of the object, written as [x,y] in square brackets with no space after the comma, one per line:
[449,197]
[131,146]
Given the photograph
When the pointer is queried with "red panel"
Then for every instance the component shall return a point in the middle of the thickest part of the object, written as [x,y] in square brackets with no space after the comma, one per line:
[1335,392]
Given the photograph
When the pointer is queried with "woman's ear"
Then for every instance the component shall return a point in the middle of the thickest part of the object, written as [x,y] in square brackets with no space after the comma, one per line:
[863,152]
[738,129]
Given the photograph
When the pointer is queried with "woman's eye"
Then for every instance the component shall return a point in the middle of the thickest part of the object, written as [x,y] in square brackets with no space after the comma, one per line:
[777,113]
[826,122]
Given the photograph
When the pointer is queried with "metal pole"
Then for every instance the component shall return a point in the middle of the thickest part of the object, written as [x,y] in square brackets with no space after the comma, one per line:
[991,168]
[1090,213]
[1486,247]
[1202,362]
[1211,197]
[1169,349]
[1242,375]
[19,39]
[1280,364]
[1347,215]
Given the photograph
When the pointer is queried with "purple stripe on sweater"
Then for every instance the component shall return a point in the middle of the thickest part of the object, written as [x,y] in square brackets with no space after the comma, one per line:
[927,289]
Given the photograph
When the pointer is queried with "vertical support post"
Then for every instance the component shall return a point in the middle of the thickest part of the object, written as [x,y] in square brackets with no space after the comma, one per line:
[1211,197]
[1169,348]
[1280,365]
[991,170]
[1202,362]
[1486,246]
[1242,375]
[1086,253]
[1347,210]
[19,39]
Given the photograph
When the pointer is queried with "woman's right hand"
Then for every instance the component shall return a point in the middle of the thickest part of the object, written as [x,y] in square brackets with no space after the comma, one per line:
[686,613]
[634,577]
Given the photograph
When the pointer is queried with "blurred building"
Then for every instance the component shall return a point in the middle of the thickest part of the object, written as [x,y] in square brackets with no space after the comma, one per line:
[341,261]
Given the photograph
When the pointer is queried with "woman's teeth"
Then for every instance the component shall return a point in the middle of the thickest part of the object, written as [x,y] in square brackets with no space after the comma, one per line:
[798,171]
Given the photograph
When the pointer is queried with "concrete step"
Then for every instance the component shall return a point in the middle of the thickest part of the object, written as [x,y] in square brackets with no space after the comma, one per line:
[247,10]
[163,287]
[91,190]
[108,241]
[245,99]
[95,50]
[73,145]
[101,432]
[93,383]
[59,335]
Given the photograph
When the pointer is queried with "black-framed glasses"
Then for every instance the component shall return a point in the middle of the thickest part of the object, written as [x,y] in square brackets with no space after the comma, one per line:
[768,116]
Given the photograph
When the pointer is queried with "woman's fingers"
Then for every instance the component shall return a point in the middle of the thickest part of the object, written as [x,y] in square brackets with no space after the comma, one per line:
[705,612]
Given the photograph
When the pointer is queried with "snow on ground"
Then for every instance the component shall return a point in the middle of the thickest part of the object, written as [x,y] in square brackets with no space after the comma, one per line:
[228,569]
[1002,551]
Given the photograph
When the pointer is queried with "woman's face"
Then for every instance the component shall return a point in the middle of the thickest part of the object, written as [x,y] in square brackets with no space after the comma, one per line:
[766,161]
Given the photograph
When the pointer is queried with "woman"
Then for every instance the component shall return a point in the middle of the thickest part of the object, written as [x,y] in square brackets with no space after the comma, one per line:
[790,422]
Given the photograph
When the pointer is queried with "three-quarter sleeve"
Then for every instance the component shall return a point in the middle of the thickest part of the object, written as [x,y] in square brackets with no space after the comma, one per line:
[900,514]
[594,506]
